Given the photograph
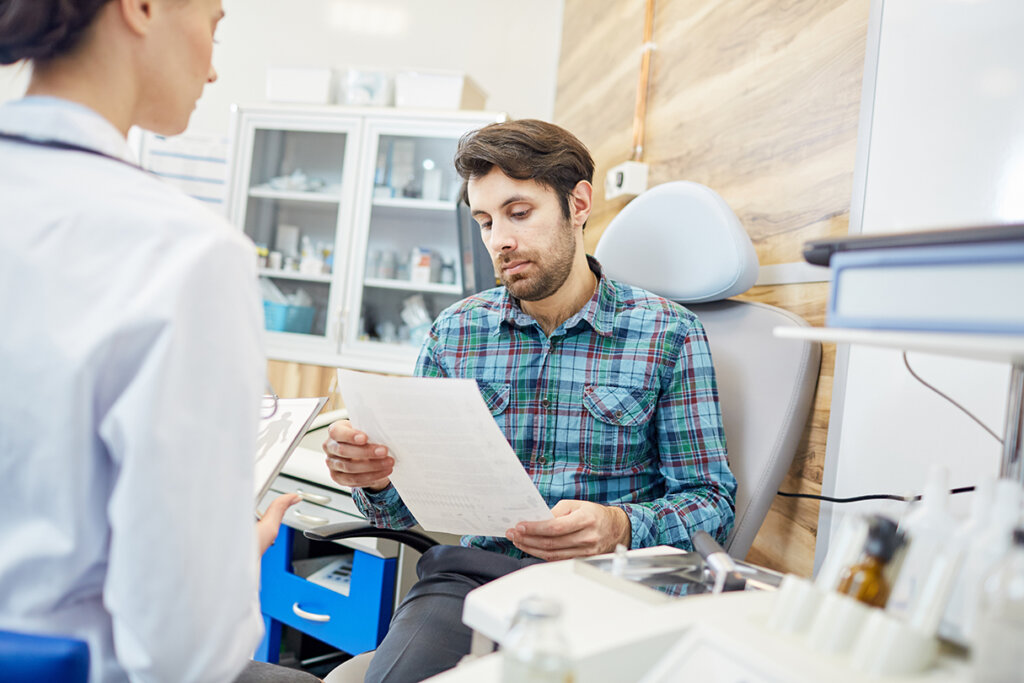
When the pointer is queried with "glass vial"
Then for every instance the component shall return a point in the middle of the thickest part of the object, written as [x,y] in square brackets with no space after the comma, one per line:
[535,650]
[999,632]
[865,581]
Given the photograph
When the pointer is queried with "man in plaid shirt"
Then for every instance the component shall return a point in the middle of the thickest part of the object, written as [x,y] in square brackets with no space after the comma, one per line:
[605,391]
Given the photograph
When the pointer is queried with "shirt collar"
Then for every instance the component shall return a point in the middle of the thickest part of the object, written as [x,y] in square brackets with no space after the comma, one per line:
[52,118]
[598,312]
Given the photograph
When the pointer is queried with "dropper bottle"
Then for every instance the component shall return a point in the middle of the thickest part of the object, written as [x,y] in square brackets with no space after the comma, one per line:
[865,581]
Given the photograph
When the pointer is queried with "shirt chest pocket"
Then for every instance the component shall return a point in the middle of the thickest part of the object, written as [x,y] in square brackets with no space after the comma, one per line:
[616,427]
[496,397]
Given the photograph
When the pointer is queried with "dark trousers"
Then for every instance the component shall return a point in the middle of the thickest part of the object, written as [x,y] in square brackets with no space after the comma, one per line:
[427,635]
[261,672]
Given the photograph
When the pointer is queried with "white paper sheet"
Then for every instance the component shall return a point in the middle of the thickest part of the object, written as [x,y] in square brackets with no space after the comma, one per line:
[453,467]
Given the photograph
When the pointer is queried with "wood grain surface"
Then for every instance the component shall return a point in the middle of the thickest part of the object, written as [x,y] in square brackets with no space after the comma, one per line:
[759,100]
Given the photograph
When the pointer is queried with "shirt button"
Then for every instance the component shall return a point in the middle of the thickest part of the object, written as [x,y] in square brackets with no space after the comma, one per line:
[542,460]
[544,403]
[618,414]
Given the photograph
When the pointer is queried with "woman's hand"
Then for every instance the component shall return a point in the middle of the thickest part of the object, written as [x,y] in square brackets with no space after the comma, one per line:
[270,522]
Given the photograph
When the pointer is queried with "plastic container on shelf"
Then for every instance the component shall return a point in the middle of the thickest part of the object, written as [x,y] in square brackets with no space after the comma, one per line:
[990,544]
[366,87]
[287,318]
[997,654]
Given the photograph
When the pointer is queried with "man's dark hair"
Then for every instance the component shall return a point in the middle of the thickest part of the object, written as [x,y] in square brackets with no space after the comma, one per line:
[527,149]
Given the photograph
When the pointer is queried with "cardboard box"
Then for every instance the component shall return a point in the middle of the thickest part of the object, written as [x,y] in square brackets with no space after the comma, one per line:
[437,90]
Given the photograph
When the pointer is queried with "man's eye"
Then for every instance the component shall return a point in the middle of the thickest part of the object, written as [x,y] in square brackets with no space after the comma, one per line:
[485,226]
[520,214]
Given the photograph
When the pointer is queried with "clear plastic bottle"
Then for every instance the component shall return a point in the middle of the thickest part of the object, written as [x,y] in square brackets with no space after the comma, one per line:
[997,653]
[535,650]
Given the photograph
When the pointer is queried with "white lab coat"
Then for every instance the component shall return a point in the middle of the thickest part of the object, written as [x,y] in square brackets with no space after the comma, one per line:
[130,373]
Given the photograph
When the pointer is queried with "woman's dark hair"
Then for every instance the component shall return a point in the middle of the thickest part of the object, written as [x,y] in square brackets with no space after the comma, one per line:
[527,149]
[43,29]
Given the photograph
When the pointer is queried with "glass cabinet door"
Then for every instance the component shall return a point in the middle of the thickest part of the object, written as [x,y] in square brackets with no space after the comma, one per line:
[416,252]
[291,192]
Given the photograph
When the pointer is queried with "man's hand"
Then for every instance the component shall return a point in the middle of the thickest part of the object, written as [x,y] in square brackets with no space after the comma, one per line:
[580,528]
[270,522]
[354,462]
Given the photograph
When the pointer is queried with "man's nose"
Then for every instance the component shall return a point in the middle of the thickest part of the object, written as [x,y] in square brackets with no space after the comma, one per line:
[502,236]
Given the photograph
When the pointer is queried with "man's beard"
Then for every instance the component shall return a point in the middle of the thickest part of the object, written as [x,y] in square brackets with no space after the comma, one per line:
[550,274]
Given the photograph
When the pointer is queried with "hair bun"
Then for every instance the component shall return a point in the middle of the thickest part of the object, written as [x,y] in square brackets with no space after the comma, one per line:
[42,29]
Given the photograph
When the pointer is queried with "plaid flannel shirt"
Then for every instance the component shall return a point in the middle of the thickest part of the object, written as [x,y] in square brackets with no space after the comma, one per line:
[618,406]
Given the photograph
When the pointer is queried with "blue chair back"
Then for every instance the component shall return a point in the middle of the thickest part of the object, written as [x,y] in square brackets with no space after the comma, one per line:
[29,658]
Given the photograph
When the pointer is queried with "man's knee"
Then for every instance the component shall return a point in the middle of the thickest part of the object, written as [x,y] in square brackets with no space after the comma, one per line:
[426,637]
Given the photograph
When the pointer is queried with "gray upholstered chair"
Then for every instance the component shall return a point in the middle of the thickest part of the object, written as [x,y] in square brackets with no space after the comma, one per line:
[682,241]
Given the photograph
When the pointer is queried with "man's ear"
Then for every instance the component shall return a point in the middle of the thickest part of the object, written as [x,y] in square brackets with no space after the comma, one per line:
[581,202]
[137,14]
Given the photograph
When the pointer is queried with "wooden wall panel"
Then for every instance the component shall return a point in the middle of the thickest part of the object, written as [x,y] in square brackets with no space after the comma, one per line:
[758,99]
[295,380]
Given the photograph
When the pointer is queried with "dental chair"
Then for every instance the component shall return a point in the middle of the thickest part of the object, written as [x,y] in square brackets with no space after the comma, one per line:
[681,241]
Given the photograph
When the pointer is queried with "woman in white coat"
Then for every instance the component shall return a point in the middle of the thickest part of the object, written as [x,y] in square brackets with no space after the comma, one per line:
[131,363]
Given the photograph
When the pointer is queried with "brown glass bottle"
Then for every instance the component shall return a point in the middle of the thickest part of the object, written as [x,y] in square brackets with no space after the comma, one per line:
[865,581]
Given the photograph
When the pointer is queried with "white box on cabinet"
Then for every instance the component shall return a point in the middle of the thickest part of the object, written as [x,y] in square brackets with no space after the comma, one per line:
[437,90]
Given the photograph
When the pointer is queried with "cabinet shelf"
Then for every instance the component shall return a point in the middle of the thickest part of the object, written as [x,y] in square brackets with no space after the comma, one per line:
[295,275]
[409,204]
[348,149]
[433,287]
[329,195]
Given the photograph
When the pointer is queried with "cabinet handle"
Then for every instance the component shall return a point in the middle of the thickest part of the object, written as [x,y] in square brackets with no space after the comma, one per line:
[313,497]
[309,519]
[311,616]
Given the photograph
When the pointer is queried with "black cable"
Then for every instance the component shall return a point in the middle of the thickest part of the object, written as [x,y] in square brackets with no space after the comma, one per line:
[890,496]
[871,496]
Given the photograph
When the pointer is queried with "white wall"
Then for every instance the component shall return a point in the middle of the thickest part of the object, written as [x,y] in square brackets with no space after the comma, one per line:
[941,144]
[509,48]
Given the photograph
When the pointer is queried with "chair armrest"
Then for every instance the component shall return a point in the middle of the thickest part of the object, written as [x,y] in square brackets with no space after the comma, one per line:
[332,532]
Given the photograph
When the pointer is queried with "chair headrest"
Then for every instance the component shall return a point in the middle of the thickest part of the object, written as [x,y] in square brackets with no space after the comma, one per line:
[681,241]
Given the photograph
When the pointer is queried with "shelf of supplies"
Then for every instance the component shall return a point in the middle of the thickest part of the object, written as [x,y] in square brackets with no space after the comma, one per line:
[329,195]
[408,285]
[1001,348]
[295,275]
[413,204]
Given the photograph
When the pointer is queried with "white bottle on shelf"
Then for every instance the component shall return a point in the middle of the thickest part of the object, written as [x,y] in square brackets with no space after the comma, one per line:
[978,520]
[927,528]
[997,653]
[987,548]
